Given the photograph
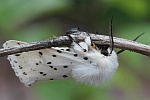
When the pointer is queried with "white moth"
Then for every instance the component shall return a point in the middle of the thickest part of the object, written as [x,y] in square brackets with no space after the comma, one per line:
[83,61]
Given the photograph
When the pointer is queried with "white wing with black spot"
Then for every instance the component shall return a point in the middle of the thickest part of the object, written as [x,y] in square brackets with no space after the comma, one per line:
[40,65]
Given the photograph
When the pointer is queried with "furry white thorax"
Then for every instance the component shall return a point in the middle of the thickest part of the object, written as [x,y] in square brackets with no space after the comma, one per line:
[100,69]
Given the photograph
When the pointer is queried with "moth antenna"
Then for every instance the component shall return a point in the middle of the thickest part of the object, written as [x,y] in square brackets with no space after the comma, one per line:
[120,51]
[111,35]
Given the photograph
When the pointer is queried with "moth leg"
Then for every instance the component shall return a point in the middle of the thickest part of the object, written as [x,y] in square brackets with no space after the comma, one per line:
[122,50]
[89,42]
[78,47]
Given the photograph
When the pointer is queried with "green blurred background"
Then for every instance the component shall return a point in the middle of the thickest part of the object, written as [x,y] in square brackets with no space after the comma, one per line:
[34,20]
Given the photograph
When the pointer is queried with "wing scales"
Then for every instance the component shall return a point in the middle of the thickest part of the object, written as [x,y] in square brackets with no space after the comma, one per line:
[44,64]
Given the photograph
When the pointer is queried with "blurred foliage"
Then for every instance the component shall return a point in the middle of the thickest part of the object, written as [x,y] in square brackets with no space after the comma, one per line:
[33,20]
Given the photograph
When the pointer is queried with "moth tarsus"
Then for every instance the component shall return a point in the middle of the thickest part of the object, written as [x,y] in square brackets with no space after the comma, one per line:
[122,50]
[138,36]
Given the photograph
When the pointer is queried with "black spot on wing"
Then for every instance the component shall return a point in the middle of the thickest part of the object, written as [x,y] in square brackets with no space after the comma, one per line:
[65,66]
[49,62]
[51,79]
[84,50]
[24,73]
[85,58]
[75,55]
[65,76]
[20,67]
[54,55]
[41,53]
[17,54]
[33,69]
[90,62]
[58,51]
[44,74]
[18,43]
[51,66]
[55,68]
[41,72]
[67,49]
[29,85]
[15,61]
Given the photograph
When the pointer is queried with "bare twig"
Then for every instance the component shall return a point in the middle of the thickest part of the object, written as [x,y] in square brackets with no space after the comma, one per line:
[78,36]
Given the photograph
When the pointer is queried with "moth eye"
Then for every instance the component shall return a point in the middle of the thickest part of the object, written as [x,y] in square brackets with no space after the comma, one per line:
[104,49]
[104,52]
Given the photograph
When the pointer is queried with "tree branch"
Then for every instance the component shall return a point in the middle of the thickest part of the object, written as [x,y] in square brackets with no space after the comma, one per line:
[78,36]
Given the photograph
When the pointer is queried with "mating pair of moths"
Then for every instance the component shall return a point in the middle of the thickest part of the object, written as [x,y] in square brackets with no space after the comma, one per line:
[84,61]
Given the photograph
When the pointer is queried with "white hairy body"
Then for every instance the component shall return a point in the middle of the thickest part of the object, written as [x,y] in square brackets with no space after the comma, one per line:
[80,61]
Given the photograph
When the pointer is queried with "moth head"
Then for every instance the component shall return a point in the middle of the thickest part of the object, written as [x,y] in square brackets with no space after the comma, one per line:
[106,50]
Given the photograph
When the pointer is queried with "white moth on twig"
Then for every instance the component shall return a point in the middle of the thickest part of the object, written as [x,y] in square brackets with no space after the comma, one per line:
[84,61]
